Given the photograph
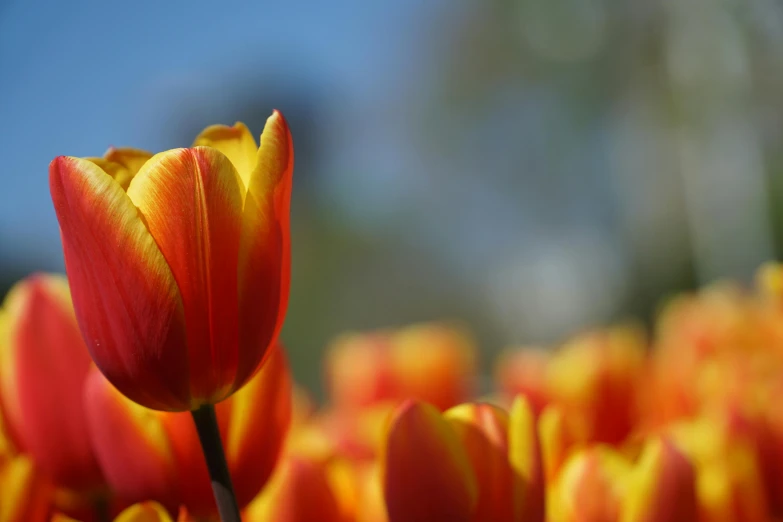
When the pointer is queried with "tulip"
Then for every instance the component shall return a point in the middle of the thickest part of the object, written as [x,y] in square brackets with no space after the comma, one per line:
[429,362]
[43,366]
[24,493]
[427,473]
[599,484]
[523,372]
[592,378]
[147,454]
[179,264]
[474,462]
[729,477]
[301,490]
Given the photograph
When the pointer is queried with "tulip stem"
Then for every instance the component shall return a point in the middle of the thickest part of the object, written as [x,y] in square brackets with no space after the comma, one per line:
[207,427]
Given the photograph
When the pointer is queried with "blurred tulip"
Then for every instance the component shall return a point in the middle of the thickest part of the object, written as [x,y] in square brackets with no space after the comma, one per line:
[662,486]
[300,491]
[180,265]
[593,379]
[147,454]
[590,487]
[427,473]
[599,484]
[475,462]
[428,362]
[523,372]
[43,366]
[24,493]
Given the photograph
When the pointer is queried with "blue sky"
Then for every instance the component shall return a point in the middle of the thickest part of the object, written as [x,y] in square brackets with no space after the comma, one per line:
[78,77]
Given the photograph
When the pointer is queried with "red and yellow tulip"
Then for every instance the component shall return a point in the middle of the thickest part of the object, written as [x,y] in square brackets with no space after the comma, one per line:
[43,367]
[474,462]
[179,263]
[430,362]
[600,484]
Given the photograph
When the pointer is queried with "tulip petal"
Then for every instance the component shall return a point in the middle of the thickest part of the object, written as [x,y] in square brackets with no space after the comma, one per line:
[482,429]
[426,472]
[524,453]
[200,242]
[126,299]
[131,444]
[265,252]
[236,142]
[44,363]
[663,486]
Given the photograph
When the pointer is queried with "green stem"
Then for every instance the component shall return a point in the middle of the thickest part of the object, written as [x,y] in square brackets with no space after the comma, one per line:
[207,427]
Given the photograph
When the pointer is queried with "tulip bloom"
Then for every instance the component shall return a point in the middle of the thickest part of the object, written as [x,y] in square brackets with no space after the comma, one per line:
[599,484]
[43,366]
[474,462]
[149,454]
[179,270]
[433,363]
[594,379]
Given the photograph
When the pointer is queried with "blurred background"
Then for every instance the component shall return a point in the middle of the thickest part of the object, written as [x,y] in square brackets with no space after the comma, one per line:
[526,168]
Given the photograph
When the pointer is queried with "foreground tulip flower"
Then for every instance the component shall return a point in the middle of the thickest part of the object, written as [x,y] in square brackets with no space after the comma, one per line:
[148,454]
[43,366]
[180,271]
[180,278]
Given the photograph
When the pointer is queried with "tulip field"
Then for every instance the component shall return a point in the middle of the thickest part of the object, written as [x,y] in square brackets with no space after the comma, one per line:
[151,383]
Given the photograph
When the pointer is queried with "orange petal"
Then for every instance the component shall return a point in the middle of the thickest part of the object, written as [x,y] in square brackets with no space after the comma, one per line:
[42,370]
[483,429]
[260,414]
[236,142]
[24,494]
[126,299]
[524,452]
[131,444]
[663,486]
[191,202]
[265,252]
[300,491]
[426,472]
